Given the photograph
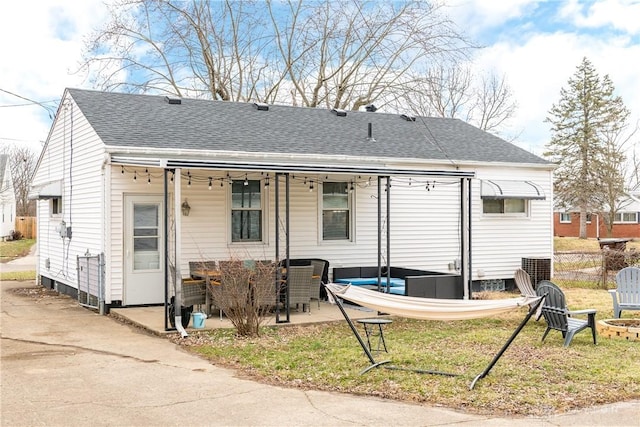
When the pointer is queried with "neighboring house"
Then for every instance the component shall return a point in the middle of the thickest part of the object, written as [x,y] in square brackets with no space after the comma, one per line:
[566,223]
[121,174]
[7,199]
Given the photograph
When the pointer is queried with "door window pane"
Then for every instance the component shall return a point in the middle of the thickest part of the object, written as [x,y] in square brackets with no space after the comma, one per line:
[146,238]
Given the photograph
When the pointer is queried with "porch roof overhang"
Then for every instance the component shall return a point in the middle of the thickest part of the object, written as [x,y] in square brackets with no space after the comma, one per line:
[49,190]
[275,167]
[498,189]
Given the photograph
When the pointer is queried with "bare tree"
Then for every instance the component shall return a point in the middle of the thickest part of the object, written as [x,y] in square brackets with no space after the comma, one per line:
[325,53]
[453,91]
[22,162]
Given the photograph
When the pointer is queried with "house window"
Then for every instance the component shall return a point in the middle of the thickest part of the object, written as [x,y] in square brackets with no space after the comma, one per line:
[588,218]
[246,211]
[565,218]
[504,206]
[336,211]
[626,217]
[56,205]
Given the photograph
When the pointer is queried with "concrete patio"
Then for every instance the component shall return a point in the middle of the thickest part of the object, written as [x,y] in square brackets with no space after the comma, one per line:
[151,318]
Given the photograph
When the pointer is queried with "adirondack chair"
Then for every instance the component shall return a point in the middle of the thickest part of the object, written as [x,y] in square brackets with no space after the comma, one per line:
[523,282]
[558,316]
[627,294]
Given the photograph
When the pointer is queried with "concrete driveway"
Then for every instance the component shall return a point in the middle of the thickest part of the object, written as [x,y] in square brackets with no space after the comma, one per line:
[63,365]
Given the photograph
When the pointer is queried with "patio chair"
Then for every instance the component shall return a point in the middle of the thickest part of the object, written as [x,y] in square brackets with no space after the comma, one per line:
[627,294]
[316,279]
[299,282]
[558,316]
[523,282]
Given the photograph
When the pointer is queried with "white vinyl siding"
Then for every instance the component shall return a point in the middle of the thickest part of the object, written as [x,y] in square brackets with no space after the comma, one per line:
[82,153]
[501,241]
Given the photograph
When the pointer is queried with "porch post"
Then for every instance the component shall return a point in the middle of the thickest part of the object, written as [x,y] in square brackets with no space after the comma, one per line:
[166,248]
[388,234]
[177,215]
[465,236]
[379,232]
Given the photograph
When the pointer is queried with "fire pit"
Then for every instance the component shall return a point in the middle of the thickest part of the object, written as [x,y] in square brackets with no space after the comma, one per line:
[626,329]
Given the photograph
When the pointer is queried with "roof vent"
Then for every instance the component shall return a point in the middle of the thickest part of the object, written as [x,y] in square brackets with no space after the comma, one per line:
[339,113]
[261,106]
[408,118]
[371,108]
[172,100]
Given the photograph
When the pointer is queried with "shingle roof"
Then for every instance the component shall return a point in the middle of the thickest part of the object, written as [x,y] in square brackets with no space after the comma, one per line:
[148,121]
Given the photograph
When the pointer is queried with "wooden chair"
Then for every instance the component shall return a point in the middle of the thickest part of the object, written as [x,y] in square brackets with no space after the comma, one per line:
[627,294]
[299,282]
[558,316]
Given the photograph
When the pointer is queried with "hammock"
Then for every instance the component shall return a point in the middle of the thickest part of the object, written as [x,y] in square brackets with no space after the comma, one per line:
[428,309]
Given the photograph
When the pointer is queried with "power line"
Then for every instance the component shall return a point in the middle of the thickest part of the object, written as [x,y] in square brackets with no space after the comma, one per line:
[49,109]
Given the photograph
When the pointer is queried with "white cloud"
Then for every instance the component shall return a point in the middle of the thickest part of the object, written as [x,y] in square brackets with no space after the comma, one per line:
[619,14]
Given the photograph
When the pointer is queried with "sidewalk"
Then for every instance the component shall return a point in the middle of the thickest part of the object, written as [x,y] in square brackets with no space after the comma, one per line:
[25,263]
[65,365]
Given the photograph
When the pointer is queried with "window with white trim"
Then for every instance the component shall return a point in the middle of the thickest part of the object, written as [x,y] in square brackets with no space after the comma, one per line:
[246,211]
[626,217]
[336,211]
[505,206]
[565,218]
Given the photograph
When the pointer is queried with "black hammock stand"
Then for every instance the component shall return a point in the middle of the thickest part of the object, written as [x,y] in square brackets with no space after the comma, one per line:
[383,363]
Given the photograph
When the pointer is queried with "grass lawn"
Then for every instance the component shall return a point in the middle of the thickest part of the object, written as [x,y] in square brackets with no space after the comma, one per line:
[531,378]
[562,244]
[12,250]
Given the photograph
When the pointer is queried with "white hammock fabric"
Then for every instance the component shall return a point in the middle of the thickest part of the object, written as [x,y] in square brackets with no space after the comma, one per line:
[427,308]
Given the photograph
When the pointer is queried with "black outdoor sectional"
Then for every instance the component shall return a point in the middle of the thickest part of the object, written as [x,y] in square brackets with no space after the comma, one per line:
[405,281]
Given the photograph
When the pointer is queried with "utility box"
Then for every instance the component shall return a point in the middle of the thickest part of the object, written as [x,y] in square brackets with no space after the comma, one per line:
[537,268]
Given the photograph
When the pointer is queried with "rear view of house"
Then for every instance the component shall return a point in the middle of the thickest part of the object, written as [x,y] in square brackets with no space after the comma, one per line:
[150,183]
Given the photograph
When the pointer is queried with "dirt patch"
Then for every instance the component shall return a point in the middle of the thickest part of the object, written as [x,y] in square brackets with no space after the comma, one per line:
[37,293]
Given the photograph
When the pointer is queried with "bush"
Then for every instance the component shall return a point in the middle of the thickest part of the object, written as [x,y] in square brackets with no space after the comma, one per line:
[245,294]
[16,235]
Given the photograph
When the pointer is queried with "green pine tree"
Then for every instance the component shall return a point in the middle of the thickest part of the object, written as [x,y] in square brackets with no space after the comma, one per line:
[584,125]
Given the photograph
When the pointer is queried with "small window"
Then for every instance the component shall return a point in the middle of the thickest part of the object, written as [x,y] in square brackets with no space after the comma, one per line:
[504,206]
[56,205]
[626,217]
[588,218]
[246,211]
[565,218]
[336,211]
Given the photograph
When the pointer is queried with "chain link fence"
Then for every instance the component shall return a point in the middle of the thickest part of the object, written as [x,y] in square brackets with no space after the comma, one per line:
[593,269]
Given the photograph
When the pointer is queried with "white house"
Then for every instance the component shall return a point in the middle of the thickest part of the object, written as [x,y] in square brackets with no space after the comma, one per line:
[427,193]
[7,199]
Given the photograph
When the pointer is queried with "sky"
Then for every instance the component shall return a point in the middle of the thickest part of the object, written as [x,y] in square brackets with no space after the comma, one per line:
[536,45]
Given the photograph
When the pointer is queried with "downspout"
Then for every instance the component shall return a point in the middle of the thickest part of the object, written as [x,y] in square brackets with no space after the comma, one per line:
[177,250]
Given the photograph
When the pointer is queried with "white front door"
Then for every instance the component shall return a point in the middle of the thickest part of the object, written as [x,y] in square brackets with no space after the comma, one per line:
[143,250]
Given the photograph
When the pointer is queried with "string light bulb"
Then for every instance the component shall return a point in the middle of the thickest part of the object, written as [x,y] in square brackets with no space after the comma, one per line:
[135,176]
[210,179]
[246,180]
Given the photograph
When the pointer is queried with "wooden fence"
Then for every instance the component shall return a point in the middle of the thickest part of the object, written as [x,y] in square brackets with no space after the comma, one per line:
[27,225]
